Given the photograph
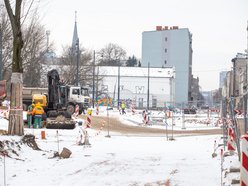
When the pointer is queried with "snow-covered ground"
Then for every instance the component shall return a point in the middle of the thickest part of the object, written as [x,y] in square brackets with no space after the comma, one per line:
[118,160]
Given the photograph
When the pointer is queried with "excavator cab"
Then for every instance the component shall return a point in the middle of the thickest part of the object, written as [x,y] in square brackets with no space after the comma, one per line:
[63,98]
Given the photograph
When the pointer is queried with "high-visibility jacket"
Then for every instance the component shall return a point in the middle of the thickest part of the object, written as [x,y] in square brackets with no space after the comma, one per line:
[38,110]
[123,105]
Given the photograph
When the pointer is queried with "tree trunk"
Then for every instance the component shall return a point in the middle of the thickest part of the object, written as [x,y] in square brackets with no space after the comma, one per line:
[16,113]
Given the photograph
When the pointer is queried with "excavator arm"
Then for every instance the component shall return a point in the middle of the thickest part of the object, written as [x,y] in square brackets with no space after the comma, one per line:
[53,89]
[57,117]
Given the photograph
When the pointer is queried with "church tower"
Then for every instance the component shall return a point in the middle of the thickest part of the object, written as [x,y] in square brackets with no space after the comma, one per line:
[75,39]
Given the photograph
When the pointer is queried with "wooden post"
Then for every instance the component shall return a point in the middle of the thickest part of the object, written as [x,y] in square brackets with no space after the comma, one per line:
[16,112]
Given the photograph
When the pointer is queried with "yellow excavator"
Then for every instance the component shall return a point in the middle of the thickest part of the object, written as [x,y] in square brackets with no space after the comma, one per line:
[55,103]
[59,101]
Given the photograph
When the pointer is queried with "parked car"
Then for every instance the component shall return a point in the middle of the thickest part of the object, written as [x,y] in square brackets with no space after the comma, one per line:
[189,111]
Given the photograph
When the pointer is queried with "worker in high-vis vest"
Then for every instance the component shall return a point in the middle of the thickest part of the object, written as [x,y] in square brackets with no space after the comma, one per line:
[123,107]
[29,115]
[37,112]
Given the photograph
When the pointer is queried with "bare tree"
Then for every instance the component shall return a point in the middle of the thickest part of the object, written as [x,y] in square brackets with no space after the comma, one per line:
[111,55]
[69,66]
[15,116]
[34,51]
[7,41]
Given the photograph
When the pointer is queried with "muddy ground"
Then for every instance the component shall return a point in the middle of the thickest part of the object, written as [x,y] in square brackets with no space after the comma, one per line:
[114,125]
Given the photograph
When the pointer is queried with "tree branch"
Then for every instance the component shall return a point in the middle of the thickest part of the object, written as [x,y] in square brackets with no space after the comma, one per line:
[11,15]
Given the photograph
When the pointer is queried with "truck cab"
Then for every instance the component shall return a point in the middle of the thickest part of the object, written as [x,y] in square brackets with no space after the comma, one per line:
[77,95]
[86,97]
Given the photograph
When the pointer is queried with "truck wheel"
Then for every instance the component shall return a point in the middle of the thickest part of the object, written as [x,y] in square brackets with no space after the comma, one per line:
[71,109]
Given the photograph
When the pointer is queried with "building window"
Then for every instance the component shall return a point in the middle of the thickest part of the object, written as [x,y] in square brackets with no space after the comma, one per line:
[154,103]
[140,102]
[165,62]
[165,50]
[165,39]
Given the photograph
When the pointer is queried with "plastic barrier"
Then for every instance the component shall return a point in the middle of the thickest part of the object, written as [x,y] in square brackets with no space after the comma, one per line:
[244,161]
[145,118]
[231,146]
[89,114]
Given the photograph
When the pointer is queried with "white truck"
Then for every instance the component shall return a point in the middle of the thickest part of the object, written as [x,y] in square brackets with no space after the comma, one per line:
[76,96]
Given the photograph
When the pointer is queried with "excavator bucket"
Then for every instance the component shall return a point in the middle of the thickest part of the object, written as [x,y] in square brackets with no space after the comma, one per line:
[60,120]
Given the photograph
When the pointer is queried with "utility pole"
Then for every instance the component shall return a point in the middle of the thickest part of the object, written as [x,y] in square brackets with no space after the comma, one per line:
[245,100]
[148,86]
[93,88]
[235,127]
[47,34]
[245,95]
[77,56]
[118,96]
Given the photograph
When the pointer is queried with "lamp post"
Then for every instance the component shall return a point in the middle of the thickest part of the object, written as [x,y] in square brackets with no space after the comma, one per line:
[108,135]
[47,34]
[77,56]
[93,88]
[118,93]
[148,86]
[245,96]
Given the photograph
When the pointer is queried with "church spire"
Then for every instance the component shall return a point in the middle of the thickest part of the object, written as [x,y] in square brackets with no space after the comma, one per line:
[75,38]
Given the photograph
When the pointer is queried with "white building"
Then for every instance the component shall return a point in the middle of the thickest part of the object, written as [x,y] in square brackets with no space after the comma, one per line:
[170,47]
[134,85]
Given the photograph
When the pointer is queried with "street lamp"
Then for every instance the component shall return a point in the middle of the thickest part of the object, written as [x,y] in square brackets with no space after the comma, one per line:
[108,136]
[148,86]
[118,94]
[77,56]
[47,34]
[93,87]
[245,96]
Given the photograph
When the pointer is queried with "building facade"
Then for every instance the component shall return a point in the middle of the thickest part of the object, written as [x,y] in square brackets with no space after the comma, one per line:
[236,81]
[137,84]
[170,47]
[195,95]
[222,77]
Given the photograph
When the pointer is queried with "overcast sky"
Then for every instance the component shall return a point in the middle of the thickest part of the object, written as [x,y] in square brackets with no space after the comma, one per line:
[218,27]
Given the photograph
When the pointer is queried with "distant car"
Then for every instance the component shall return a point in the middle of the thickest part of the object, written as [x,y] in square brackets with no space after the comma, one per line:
[189,111]
[109,108]
[204,107]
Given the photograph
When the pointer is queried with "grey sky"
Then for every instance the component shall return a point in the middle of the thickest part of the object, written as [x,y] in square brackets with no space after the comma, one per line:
[218,27]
